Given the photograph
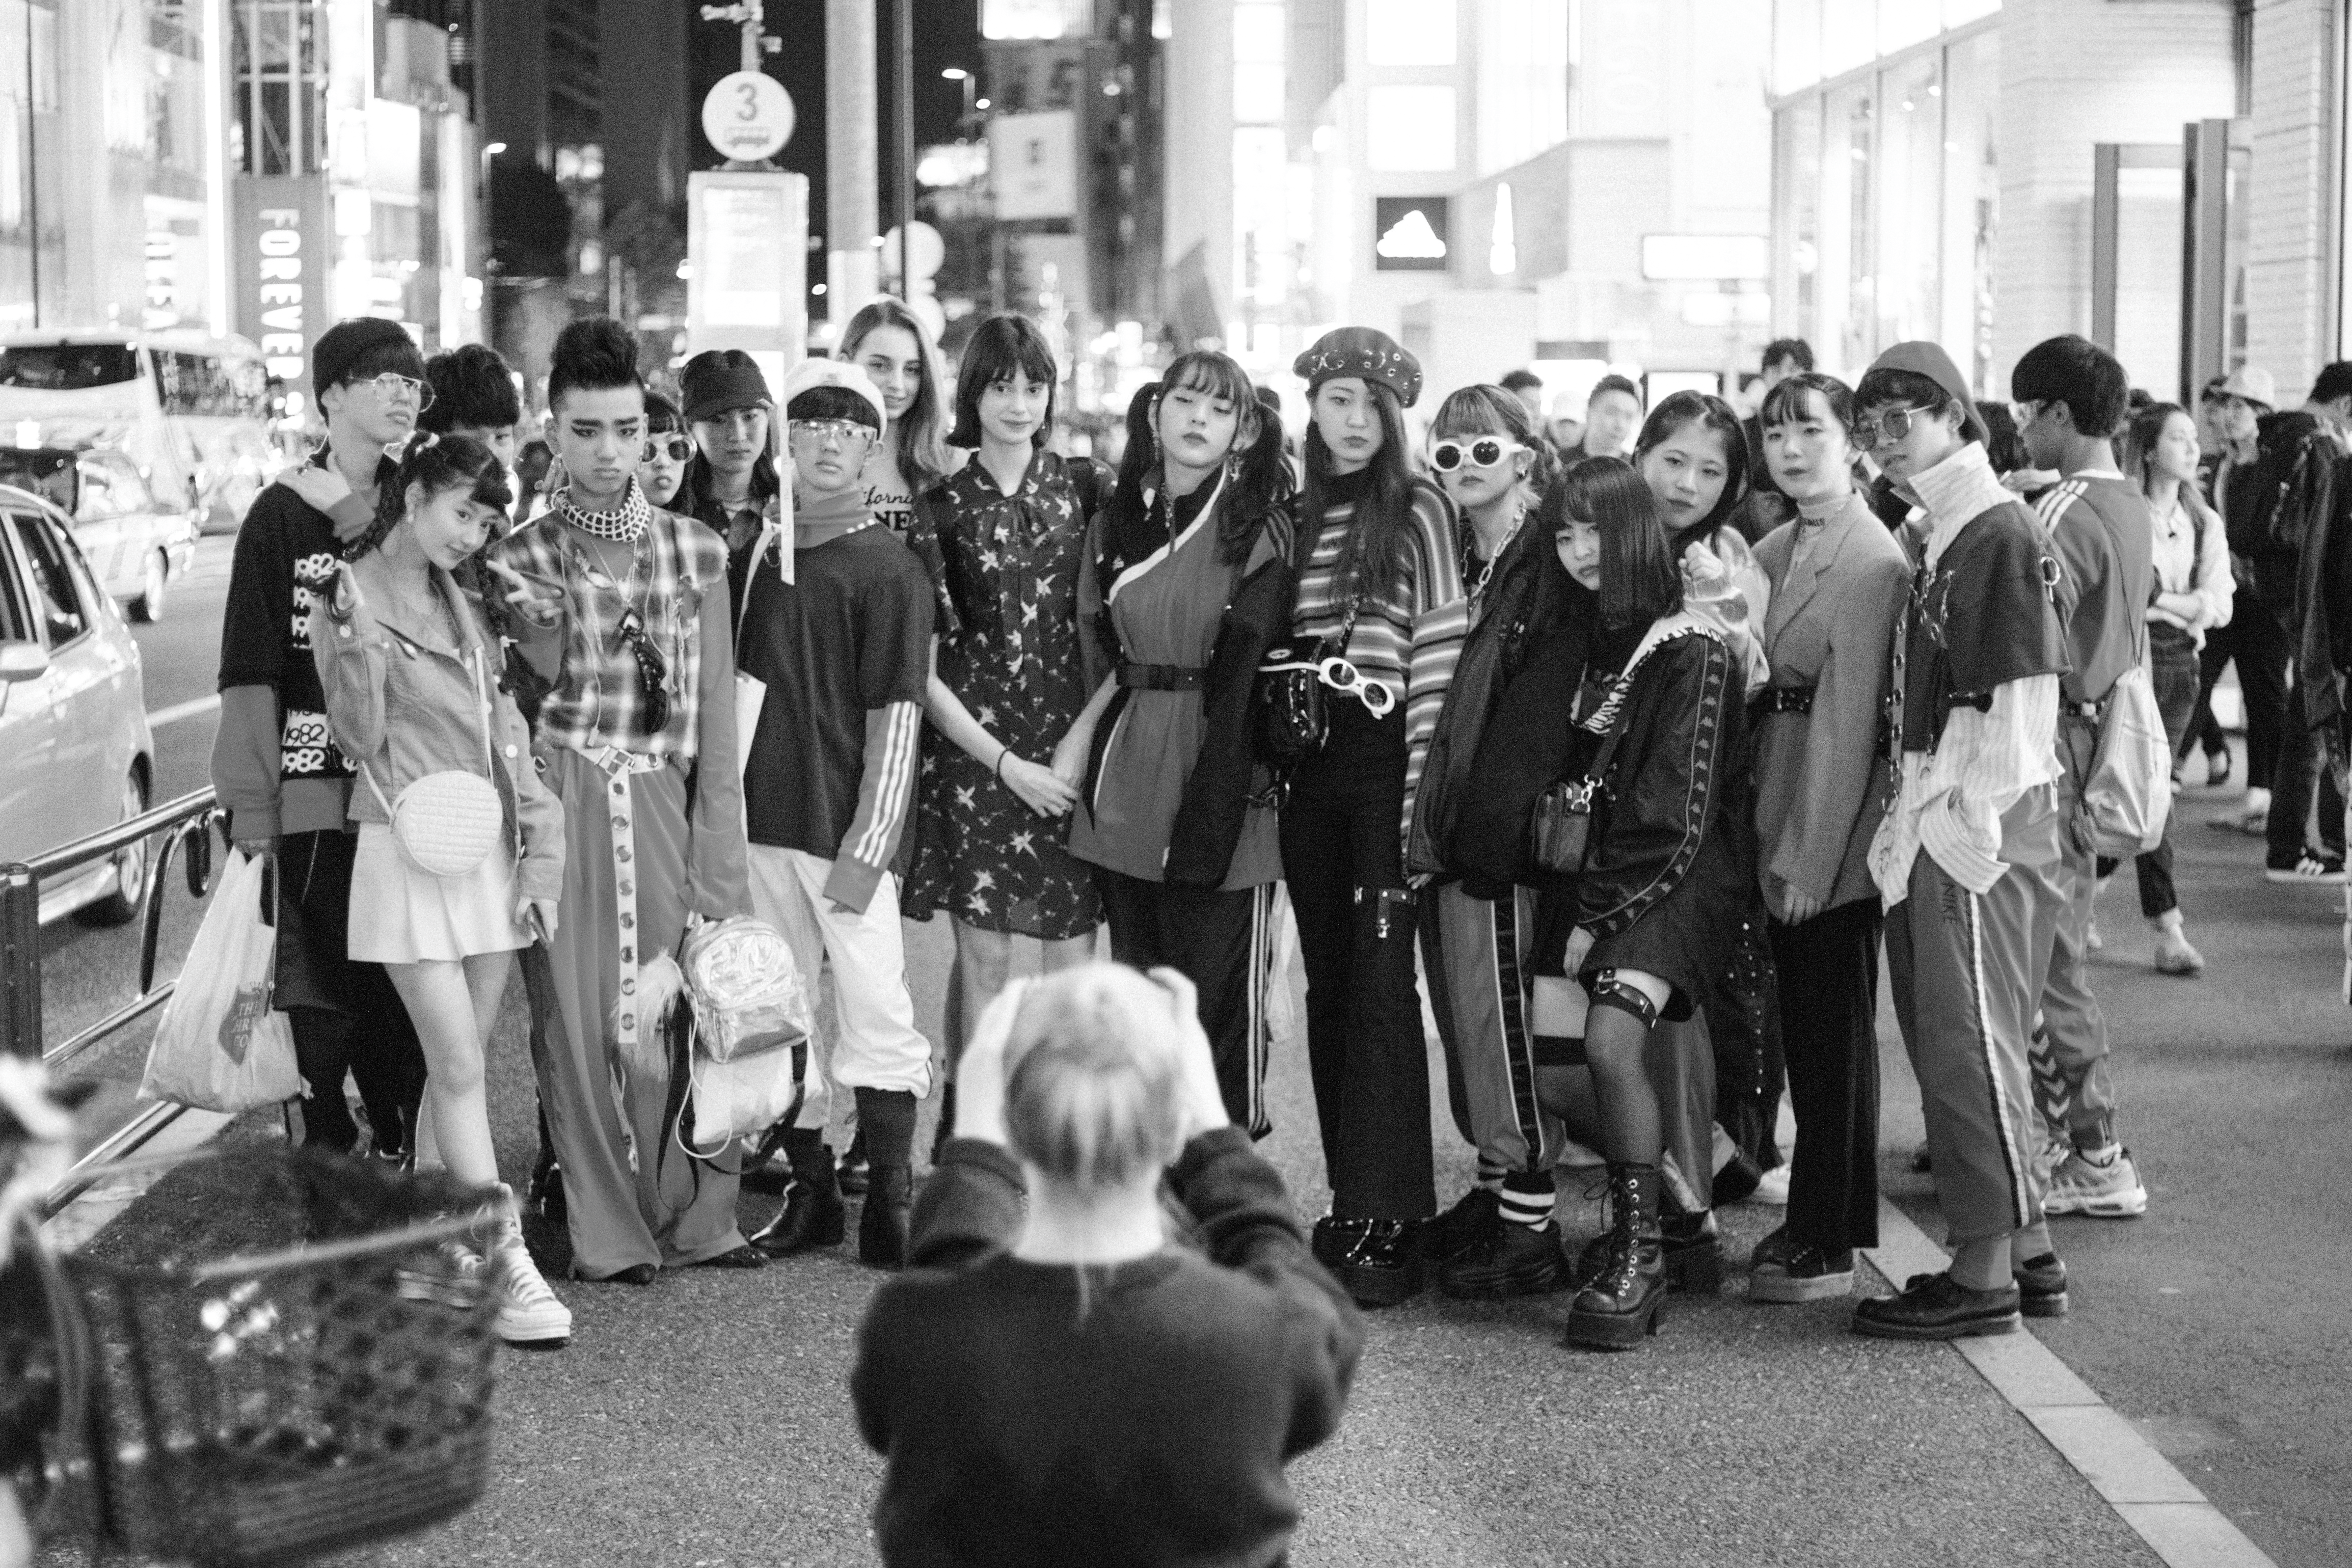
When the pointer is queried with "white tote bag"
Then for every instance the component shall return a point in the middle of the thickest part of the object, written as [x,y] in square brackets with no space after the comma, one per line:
[221,1045]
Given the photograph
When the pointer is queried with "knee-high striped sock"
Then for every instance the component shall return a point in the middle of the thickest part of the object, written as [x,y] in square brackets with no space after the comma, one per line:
[1527,1199]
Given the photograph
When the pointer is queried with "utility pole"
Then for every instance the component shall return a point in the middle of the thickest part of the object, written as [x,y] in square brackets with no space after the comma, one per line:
[853,180]
[745,14]
[903,113]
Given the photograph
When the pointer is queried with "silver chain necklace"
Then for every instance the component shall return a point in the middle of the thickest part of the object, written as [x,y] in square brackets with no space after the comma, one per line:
[1487,572]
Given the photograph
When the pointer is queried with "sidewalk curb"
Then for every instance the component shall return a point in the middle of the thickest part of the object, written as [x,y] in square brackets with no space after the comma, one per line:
[2140,1484]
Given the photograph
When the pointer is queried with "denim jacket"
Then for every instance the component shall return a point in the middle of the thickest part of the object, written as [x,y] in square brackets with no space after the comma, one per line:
[403,702]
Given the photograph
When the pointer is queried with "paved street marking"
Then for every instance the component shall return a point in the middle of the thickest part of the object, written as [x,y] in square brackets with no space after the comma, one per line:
[193,708]
[2124,1468]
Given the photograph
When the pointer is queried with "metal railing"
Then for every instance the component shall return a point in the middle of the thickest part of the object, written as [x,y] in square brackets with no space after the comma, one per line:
[185,825]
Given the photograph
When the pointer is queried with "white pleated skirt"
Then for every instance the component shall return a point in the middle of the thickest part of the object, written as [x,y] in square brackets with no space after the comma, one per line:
[402,915]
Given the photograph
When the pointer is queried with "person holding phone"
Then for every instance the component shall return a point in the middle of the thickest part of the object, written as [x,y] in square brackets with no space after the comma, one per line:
[1055,1381]
[408,667]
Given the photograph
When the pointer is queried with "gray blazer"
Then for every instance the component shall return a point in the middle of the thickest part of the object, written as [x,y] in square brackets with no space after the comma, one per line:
[1819,779]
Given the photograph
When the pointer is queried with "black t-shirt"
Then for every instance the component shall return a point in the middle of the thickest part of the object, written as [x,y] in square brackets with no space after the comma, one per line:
[1982,619]
[851,634]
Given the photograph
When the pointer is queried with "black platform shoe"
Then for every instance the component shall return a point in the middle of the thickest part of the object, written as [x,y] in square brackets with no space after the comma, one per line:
[1512,1261]
[1475,1218]
[1616,1310]
[1383,1268]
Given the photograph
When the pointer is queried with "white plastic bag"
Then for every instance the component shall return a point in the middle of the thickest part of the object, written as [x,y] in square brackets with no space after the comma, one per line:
[2128,796]
[744,1097]
[221,1045]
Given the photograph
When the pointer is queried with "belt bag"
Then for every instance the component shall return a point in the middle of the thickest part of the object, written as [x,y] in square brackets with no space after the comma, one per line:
[446,824]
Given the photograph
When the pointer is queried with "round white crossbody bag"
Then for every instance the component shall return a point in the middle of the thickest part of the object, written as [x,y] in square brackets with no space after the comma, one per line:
[446,824]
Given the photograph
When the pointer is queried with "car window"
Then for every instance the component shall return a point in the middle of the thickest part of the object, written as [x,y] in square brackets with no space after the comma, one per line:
[15,625]
[98,500]
[57,599]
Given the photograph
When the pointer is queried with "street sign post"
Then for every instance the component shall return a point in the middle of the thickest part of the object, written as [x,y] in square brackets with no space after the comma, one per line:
[748,116]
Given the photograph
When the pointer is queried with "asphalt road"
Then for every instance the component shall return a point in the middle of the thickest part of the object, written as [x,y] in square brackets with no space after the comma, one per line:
[704,1420]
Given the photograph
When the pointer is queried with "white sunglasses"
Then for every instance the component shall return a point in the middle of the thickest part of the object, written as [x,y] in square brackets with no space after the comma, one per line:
[1341,674]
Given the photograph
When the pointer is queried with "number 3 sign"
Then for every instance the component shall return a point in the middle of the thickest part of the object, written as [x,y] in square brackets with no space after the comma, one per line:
[748,116]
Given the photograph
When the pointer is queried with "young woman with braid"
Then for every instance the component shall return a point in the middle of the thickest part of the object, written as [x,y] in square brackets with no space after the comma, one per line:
[1381,600]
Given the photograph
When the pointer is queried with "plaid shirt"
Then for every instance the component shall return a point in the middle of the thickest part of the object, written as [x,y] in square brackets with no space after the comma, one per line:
[599,697]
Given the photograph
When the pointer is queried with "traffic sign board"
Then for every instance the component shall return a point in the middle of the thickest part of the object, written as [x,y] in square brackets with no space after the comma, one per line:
[748,116]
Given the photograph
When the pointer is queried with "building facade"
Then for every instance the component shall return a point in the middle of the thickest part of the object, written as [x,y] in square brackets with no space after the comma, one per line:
[1582,184]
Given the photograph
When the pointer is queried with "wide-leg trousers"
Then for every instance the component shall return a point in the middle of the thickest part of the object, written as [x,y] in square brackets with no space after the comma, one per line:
[632,1195]
[1222,941]
[1473,953]
[1829,1012]
[1966,968]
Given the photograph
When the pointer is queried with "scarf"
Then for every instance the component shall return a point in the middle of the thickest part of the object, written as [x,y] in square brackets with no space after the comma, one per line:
[625,524]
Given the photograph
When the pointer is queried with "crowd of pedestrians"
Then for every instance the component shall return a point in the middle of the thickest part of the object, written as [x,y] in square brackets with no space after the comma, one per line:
[1635,742]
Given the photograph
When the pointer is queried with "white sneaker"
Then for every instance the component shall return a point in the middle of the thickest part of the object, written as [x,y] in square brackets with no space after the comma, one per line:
[528,1312]
[453,1275]
[2111,1191]
[2174,955]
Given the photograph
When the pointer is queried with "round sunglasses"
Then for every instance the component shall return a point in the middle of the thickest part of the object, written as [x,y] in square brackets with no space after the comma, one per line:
[1484,452]
[678,449]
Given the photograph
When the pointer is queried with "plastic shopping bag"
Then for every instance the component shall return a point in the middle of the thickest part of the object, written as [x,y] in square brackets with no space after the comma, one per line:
[221,1045]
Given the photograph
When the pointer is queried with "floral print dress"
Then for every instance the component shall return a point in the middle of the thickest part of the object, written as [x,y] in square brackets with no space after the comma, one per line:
[1005,570]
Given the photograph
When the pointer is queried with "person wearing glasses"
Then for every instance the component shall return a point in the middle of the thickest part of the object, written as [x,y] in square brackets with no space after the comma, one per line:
[1381,605]
[892,346]
[1838,582]
[1002,541]
[731,477]
[275,764]
[669,447]
[841,633]
[623,608]
[1499,1239]
[1967,858]
[1186,581]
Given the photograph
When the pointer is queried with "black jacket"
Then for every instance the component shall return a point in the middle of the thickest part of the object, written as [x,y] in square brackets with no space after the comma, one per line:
[1531,602]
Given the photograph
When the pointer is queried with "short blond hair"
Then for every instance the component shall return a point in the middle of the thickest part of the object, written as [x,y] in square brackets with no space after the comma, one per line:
[1091,1071]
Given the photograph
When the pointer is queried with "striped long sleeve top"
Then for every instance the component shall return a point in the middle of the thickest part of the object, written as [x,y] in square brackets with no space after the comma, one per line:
[1408,640]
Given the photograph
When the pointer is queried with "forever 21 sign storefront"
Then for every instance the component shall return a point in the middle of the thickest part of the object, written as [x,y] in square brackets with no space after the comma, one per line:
[283,252]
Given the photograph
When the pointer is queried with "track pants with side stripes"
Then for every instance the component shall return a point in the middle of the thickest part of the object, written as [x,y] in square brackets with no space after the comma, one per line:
[1966,969]
[1473,954]
[1222,941]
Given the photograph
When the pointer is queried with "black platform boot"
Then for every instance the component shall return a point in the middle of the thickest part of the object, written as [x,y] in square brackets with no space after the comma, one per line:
[813,1214]
[1615,1311]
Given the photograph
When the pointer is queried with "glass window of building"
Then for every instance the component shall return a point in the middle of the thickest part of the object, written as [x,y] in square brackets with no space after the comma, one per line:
[1848,254]
[1971,201]
[1797,225]
[1410,32]
[1408,130]
[1911,120]
[1523,77]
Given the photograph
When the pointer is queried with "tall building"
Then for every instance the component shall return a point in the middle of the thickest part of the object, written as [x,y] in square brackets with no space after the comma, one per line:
[356,168]
[112,164]
[1583,184]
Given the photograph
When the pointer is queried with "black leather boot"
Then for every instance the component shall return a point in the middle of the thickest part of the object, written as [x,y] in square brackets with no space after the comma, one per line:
[813,1214]
[1693,1251]
[1615,1311]
[882,1229]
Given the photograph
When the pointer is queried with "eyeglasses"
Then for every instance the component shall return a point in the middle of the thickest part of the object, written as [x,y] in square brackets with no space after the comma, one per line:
[392,384]
[1891,426]
[1483,452]
[678,449]
[652,668]
[839,432]
[1340,675]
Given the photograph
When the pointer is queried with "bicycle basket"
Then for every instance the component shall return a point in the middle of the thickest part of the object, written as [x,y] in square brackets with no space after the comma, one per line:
[303,1369]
